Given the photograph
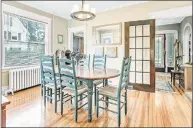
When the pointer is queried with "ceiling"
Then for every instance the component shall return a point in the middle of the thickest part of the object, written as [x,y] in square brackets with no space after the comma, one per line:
[169,21]
[172,13]
[171,16]
[63,8]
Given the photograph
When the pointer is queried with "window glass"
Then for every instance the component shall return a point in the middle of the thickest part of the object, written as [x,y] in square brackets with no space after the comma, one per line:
[170,42]
[26,40]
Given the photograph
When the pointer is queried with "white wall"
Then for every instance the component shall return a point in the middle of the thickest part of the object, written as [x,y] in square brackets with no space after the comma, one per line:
[131,13]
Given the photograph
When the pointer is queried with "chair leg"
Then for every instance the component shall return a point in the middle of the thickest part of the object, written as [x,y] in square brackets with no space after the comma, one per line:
[61,102]
[107,99]
[59,94]
[97,105]
[76,108]
[42,89]
[55,100]
[44,96]
[71,100]
[119,112]
[81,97]
[50,95]
[47,93]
[126,102]
[95,95]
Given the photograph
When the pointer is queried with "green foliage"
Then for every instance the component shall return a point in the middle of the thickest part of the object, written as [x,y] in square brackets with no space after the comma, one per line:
[36,30]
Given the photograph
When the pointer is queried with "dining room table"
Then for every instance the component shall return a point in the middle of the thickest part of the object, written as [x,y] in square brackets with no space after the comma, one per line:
[90,74]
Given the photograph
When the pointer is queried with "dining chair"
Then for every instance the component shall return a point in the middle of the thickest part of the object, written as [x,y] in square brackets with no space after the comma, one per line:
[115,93]
[85,61]
[99,62]
[69,86]
[50,83]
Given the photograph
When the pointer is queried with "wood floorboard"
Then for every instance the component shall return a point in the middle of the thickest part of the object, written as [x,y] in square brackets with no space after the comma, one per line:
[159,109]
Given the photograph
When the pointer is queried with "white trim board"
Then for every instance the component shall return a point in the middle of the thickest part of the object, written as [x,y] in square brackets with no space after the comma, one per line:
[70,37]
[185,45]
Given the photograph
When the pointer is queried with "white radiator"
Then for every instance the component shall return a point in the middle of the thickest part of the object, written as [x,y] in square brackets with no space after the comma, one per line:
[24,78]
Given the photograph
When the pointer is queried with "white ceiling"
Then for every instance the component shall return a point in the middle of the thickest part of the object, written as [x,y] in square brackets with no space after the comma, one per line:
[63,8]
[172,13]
[169,21]
[171,16]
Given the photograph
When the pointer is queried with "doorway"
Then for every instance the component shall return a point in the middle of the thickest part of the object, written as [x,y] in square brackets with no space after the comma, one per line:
[139,44]
[78,42]
[77,39]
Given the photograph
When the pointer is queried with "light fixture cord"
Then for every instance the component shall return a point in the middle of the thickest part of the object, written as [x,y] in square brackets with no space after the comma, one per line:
[82,4]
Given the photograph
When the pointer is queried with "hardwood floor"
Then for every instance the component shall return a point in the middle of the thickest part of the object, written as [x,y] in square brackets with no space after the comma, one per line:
[160,109]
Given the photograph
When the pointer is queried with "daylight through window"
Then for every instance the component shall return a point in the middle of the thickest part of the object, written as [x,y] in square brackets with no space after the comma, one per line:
[23,40]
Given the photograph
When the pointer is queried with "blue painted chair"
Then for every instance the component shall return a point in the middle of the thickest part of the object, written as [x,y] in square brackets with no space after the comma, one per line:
[99,62]
[50,84]
[115,93]
[85,61]
[69,86]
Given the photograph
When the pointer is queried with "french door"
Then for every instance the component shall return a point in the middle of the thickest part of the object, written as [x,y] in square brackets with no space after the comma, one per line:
[139,43]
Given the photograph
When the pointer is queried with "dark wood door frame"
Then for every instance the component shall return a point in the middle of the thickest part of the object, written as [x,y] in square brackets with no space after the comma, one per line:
[151,22]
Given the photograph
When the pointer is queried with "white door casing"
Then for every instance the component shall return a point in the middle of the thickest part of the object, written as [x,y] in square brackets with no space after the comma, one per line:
[70,36]
[187,30]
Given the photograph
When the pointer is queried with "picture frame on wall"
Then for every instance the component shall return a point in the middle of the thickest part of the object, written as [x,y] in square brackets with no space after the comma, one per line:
[60,39]
[99,51]
[111,52]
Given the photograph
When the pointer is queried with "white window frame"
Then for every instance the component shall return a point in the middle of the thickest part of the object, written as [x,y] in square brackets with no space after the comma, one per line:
[30,15]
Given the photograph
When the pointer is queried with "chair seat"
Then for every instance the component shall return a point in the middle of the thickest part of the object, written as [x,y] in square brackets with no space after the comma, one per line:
[110,91]
[97,82]
[50,85]
[80,88]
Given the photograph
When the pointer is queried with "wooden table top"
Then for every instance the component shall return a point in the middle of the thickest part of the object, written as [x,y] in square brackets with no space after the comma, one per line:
[5,101]
[91,73]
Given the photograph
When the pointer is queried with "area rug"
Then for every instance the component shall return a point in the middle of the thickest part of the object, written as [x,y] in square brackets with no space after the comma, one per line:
[164,86]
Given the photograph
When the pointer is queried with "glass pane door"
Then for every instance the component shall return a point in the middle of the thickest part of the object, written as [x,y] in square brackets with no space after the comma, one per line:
[139,49]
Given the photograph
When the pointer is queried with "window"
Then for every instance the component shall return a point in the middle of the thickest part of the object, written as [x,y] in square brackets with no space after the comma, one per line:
[10,21]
[24,40]
[9,35]
[19,36]
[170,39]
[6,21]
[159,51]
[5,35]
[14,36]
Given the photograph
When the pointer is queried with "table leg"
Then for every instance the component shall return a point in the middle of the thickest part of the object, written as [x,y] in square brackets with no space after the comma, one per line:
[171,77]
[3,116]
[106,98]
[90,93]
[174,75]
